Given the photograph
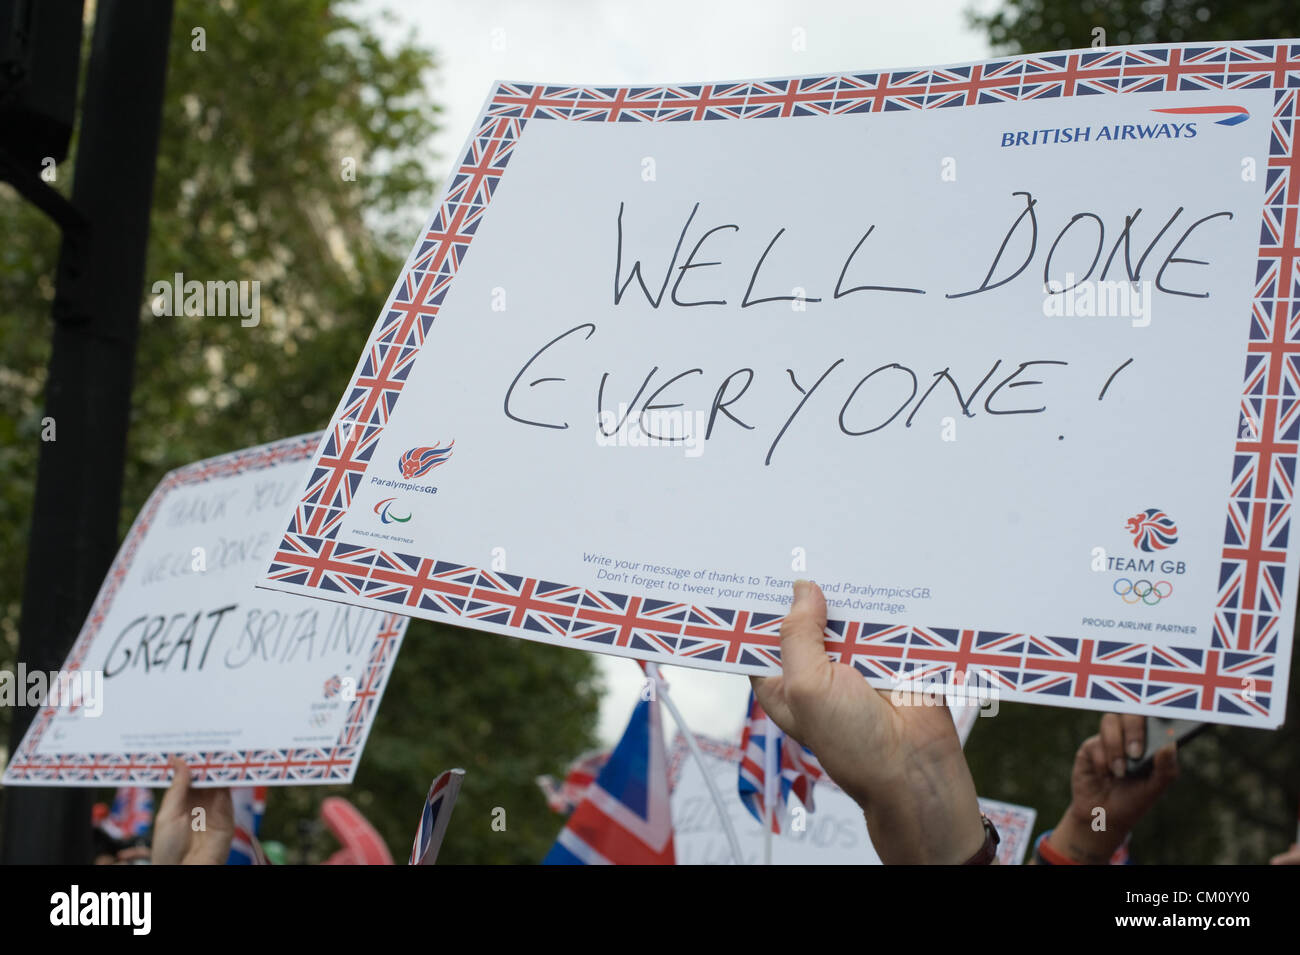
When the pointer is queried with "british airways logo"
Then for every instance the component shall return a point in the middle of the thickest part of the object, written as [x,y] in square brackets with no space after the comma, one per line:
[1182,128]
[418,462]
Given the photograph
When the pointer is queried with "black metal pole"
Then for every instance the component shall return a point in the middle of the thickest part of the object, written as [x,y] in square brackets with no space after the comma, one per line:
[97,306]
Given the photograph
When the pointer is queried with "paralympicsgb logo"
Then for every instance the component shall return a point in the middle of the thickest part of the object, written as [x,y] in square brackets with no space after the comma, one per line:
[1152,530]
[418,462]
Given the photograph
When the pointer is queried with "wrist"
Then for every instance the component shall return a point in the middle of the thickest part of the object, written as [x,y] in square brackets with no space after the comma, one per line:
[928,816]
[1077,841]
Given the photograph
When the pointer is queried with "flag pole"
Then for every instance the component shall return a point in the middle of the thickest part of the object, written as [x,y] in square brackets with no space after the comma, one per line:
[769,790]
[698,756]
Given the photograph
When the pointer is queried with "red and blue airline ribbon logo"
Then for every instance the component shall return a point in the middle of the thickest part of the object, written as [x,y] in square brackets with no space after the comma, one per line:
[1227,115]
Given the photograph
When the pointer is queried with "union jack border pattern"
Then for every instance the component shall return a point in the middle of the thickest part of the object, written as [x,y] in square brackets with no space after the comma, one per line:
[335,763]
[1232,681]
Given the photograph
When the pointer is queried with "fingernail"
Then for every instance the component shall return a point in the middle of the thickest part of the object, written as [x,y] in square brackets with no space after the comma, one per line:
[1117,767]
[800,590]
[1134,749]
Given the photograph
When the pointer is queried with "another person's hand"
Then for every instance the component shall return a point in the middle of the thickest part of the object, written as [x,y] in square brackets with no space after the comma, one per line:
[1105,804]
[183,837]
[902,764]
[1290,857]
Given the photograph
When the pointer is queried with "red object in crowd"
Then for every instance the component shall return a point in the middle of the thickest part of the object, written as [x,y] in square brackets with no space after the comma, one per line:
[362,845]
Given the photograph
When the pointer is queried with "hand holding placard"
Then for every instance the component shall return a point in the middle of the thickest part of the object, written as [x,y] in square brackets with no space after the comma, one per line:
[193,826]
[903,765]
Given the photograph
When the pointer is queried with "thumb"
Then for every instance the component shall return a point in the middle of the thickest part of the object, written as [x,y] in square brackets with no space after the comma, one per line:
[178,792]
[1164,770]
[220,806]
[804,664]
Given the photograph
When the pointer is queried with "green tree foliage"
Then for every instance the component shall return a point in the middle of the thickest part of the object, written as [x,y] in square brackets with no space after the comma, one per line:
[1235,801]
[263,128]
[1037,26]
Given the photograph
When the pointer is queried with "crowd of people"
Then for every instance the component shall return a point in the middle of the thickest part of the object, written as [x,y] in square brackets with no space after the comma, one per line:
[902,764]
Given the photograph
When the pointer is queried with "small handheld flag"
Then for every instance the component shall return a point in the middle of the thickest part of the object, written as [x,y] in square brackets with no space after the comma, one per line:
[131,815]
[249,804]
[437,814]
[799,769]
[625,818]
[564,797]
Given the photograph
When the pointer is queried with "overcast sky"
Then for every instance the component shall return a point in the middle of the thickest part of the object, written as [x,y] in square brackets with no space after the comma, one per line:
[616,42]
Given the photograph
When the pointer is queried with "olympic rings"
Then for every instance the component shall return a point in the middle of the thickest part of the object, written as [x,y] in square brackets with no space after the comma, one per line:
[1142,591]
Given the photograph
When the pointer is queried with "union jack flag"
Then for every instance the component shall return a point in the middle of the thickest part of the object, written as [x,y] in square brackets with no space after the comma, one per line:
[799,770]
[980,661]
[438,806]
[1083,73]
[619,620]
[249,804]
[979,83]
[564,797]
[473,184]
[382,377]
[416,300]
[708,101]
[131,814]
[421,582]
[525,102]
[802,96]
[890,92]
[321,562]
[337,475]
[1209,680]
[874,650]
[625,818]
[1275,66]
[732,636]
[1168,70]
[616,104]
[538,606]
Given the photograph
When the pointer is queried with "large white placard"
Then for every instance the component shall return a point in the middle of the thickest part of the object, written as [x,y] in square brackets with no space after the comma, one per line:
[182,654]
[1000,354]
